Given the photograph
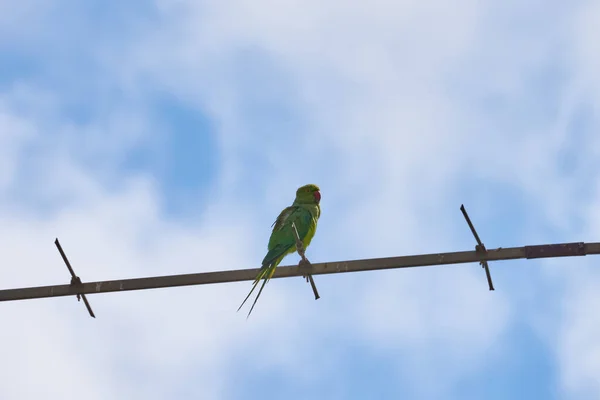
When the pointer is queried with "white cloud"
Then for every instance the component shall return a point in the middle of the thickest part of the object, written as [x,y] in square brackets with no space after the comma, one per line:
[15,131]
[575,335]
[578,346]
[379,122]
[572,329]
[381,132]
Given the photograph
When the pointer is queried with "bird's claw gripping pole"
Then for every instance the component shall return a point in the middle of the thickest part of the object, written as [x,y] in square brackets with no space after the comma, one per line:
[304,262]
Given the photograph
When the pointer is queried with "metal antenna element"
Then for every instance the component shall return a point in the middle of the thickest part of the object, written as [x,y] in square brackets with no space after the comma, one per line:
[330,267]
[304,268]
[304,263]
[480,248]
[75,280]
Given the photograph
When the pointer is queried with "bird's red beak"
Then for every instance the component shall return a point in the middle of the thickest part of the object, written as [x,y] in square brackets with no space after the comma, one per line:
[318,196]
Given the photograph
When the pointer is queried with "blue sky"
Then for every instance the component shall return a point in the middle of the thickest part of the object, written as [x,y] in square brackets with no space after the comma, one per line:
[164,137]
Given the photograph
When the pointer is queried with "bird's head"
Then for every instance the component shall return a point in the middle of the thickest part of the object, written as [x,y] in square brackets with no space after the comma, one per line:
[308,194]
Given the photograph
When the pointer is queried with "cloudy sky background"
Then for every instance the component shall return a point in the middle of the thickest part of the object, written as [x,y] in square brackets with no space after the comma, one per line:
[164,137]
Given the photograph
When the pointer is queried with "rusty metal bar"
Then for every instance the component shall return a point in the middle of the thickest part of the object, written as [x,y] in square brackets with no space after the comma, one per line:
[204,278]
[479,248]
[556,250]
[75,280]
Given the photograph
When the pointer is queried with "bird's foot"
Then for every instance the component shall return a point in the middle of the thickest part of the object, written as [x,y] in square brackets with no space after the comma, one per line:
[304,264]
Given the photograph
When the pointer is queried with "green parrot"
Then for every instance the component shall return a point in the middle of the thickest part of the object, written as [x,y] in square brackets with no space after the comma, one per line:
[303,214]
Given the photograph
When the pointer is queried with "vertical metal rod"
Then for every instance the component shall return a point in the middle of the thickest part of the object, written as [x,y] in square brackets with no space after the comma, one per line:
[464,212]
[75,280]
[479,248]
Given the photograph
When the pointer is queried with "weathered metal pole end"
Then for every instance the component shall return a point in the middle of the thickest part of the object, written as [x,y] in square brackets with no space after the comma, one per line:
[555,250]
[75,280]
[480,248]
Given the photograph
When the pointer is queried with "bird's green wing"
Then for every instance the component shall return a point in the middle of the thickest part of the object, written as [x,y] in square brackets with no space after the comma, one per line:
[283,237]
[281,243]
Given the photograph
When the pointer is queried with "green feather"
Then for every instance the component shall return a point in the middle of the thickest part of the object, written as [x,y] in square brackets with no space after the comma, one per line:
[304,213]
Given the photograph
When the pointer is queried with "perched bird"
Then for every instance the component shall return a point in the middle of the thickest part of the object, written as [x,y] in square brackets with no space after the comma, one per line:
[303,214]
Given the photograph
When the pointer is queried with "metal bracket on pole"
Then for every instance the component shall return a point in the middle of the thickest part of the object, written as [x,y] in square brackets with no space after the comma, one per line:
[304,263]
[480,248]
[75,280]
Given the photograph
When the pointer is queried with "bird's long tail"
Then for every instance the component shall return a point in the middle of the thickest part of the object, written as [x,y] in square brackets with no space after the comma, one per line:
[260,275]
[265,274]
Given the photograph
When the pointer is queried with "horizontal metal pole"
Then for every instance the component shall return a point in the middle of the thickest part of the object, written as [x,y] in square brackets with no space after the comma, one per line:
[461,257]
